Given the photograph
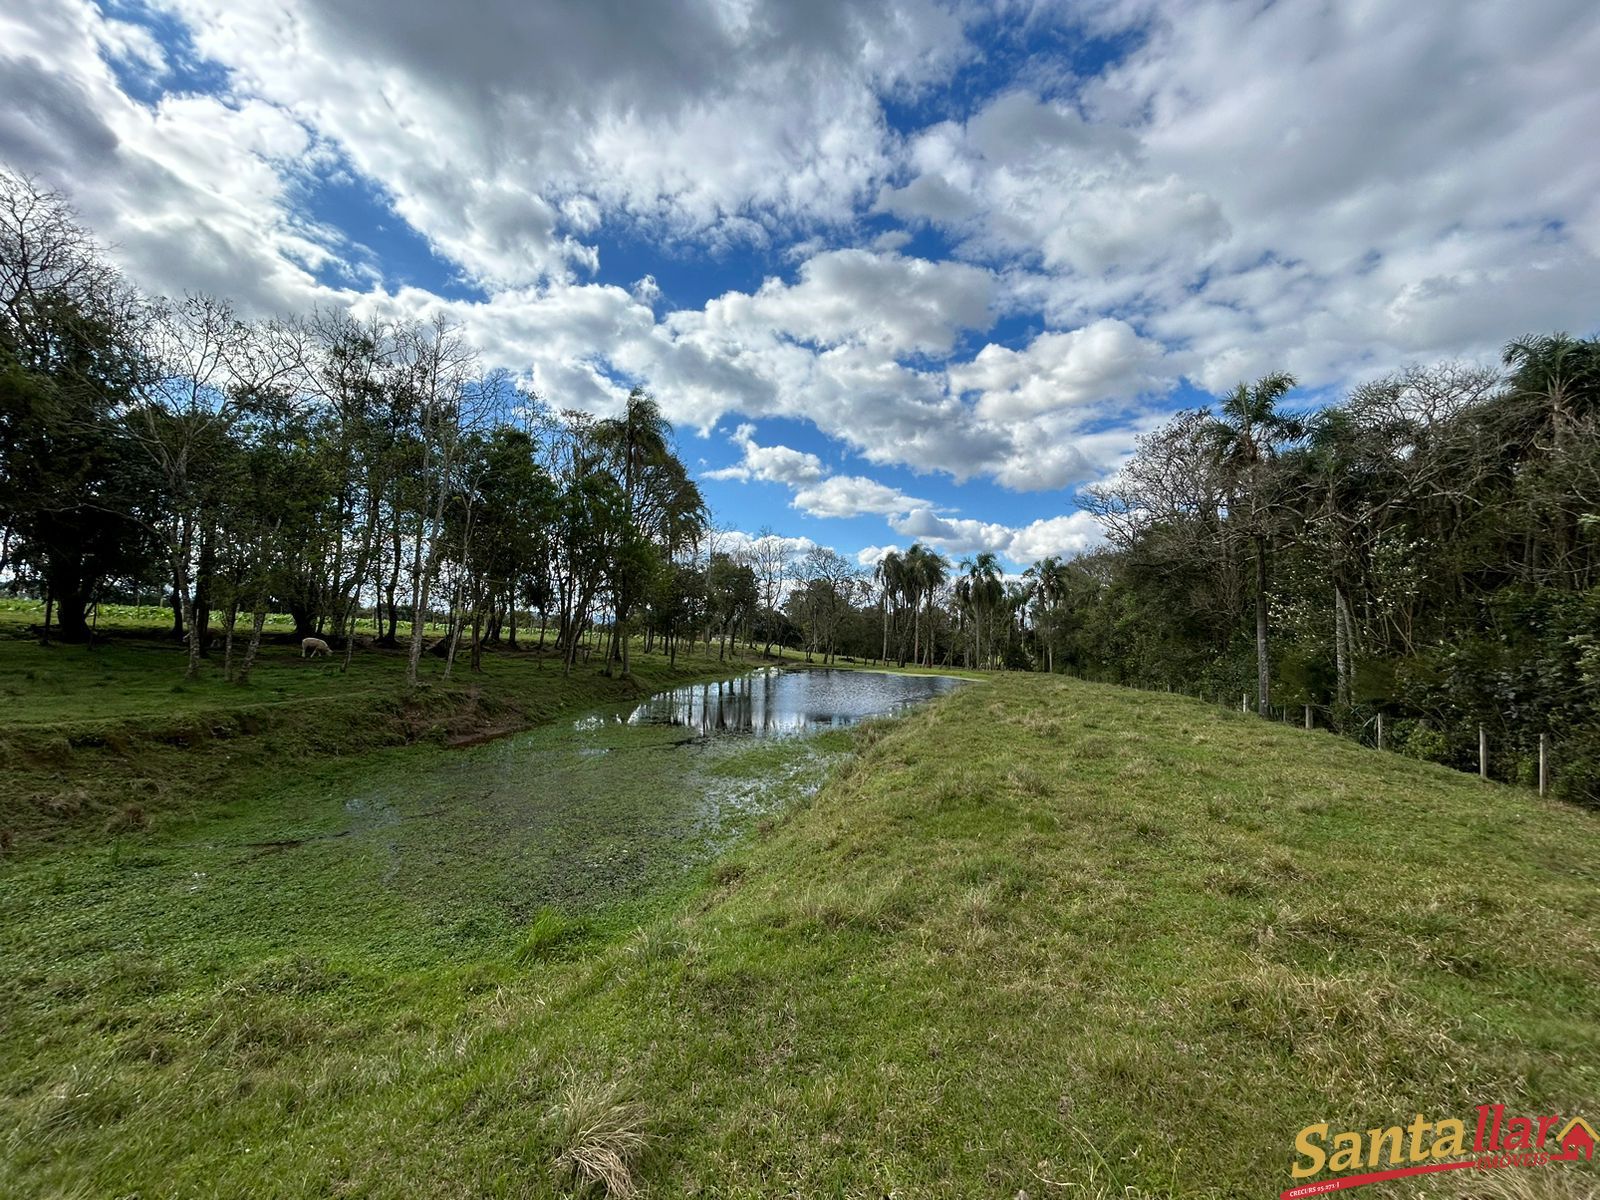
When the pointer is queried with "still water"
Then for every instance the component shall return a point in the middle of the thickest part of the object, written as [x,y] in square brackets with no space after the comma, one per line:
[427,852]
[777,702]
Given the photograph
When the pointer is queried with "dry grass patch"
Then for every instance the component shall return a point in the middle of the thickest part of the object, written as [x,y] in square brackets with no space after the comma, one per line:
[600,1133]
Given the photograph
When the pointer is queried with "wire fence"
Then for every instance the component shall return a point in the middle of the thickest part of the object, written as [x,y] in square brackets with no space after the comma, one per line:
[1376,731]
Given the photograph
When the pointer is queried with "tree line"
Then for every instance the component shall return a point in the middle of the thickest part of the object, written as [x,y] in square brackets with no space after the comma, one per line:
[333,468]
[369,476]
[1426,548]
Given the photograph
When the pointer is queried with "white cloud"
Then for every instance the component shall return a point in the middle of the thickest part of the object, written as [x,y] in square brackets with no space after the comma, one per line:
[852,496]
[493,132]
[1096,366]
[1330,189]
[771,464]
[196,192]
[871,556]
[881,299]
[646,290]
[741,543]
[1281,186]
[1067,535]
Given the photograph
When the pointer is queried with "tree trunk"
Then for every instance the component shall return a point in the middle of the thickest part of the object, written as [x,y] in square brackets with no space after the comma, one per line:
[1263,666]
[71,621]
[454,631]
[305,619]
[257,620]
[227,641]
[390,639]
[419,601]
[200,625]
[1341,648]
[177,611]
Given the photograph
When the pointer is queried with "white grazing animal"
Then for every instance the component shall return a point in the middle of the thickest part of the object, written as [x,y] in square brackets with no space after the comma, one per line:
[311,647]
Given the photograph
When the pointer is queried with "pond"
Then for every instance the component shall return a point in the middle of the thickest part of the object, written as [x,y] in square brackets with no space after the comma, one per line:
[425,854]
[777,702]
[601,808]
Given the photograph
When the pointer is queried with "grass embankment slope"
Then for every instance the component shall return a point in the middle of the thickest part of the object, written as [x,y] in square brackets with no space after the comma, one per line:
[1041,936]
[112,737]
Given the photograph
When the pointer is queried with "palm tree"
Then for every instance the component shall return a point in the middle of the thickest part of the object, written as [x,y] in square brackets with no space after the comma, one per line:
[933,569]
[912,564]
[890,576]
[980,591]
[1248,436]
[1047,581]
[1555,369]
[1554,381]
[636,441]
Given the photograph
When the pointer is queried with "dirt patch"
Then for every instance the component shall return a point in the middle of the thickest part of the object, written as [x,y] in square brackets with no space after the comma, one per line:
[461,741]
[279,845]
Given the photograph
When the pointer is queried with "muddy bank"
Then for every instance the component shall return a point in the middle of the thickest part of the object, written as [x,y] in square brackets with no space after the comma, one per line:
[96,776]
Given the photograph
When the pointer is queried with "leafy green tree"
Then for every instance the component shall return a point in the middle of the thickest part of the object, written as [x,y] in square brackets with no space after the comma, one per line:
[1249,433]
[1047,593]
[77,499]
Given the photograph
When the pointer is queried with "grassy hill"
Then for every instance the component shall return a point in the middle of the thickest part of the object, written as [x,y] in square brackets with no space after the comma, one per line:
[1040,937]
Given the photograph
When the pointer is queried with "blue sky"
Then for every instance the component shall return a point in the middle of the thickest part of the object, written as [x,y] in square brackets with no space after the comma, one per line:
[896,269]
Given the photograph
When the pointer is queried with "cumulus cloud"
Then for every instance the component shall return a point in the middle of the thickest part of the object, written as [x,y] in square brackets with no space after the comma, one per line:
[195,191]
[730,121]
[741,543]
[1099,364]
[852,496]
[771,464]
[871,556]
[1276,186]
[816,492]
[1329,189]
[1064,535]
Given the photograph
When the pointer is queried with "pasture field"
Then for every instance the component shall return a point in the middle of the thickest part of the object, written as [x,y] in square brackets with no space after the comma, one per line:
[112,737]
[1039,937]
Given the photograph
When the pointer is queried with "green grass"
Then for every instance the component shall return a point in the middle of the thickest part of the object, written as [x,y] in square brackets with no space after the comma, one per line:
[135,674]
[1041,936]
[110,738]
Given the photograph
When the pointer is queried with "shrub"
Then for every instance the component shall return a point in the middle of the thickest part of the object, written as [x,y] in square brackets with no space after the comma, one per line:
[600,1134]
[548,931]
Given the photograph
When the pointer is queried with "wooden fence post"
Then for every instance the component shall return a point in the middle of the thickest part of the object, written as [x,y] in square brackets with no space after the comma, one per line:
[1380,731]
[1244,703]
[1544,763]
[1308,717]
[1483,753]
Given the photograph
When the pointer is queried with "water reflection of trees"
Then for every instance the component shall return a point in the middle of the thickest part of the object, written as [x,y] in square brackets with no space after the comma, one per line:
[773,702]
[751,704]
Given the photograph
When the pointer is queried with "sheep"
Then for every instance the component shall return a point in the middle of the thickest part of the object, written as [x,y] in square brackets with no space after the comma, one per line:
[311,647]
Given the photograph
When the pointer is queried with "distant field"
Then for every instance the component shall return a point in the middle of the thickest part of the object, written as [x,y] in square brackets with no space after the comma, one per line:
[104,735]
[137,670]
[113,618]
[1042,937]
